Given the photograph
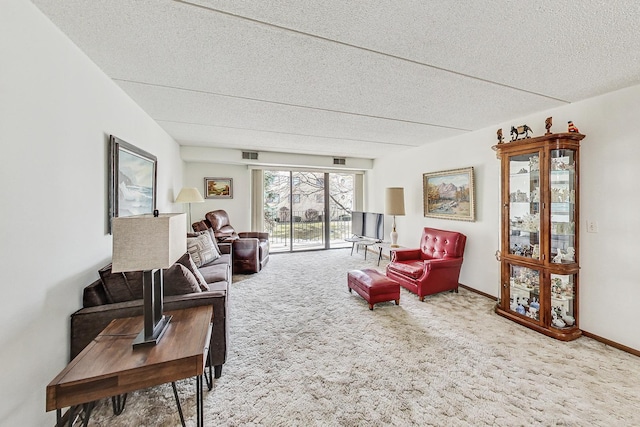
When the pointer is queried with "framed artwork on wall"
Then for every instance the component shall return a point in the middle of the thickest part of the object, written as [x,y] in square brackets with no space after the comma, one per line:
[450,194]
[132,180]
[218,188]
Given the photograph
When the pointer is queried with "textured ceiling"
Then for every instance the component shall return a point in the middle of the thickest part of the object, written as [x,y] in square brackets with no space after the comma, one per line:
[351,78]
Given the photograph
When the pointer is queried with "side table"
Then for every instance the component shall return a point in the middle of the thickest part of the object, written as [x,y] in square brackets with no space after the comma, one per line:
[386,247]
[109,366]
[356,242]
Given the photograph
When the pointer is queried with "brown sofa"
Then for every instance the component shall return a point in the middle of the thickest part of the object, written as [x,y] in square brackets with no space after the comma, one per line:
[104,301]
[250,249]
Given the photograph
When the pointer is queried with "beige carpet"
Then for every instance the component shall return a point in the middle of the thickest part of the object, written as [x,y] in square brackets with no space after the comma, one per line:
[306,352]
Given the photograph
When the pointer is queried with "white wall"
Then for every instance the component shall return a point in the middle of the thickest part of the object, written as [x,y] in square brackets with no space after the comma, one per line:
[56,112]
[610,154]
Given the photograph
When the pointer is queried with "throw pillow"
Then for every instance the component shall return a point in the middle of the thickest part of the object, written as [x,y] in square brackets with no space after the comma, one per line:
[201,249]
[120,287]
[178,280]
[210,232]
[187,261]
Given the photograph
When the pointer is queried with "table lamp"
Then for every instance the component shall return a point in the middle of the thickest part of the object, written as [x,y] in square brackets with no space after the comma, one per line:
[149,243]
[394,205]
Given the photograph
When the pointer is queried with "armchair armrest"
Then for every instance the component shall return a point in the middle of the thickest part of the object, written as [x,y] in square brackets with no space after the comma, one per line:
[200,226]
[246,255]
[434,264]
[225,248]
[405,254]
[254,234]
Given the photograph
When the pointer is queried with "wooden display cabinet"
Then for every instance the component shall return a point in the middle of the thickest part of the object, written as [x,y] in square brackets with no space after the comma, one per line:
[539,233]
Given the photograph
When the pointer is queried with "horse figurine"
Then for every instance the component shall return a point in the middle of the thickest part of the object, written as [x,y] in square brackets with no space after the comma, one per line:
[520,130]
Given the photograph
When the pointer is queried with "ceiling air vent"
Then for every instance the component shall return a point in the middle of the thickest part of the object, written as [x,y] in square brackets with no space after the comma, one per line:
[339,161]
[250,155]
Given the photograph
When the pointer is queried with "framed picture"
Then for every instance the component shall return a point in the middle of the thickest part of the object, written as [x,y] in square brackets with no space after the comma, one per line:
[218,188]
[450,194]
[132,180]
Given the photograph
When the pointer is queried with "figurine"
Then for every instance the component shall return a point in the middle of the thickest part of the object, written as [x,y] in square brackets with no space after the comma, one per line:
[534,304]
[520,130]
[569,320]
[536,252]
[500,138]
[547,125]
[572,128]
[571,253]
[558,258]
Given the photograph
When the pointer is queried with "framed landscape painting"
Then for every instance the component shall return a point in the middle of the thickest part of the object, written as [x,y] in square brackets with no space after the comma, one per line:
[218,188]
[450,194]
[132,180]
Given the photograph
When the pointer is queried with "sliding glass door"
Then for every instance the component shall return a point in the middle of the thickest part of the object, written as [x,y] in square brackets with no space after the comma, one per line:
[306,210]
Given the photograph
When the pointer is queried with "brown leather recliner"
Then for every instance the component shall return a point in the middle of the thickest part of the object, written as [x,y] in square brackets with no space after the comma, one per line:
[250,250]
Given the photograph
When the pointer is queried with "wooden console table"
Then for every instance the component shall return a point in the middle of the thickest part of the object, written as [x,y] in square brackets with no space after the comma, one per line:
[109,366]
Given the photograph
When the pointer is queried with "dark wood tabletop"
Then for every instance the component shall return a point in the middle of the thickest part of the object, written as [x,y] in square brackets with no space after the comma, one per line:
[110,366]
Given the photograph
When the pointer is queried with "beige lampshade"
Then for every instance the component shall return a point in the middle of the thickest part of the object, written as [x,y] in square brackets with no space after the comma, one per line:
[145,242]
[394,201]
[189,195]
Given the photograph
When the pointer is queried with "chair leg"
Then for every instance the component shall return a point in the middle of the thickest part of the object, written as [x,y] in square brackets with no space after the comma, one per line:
[421,299]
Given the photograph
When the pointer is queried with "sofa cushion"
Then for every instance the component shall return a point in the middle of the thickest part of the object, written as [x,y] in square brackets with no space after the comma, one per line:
[94,295]
[202,249]
[120,287]
[187,261]
[217,271]
[413,269]
[178,280]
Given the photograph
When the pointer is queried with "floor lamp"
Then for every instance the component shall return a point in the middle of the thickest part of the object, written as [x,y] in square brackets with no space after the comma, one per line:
[394,205]
[149,243]
[189,195]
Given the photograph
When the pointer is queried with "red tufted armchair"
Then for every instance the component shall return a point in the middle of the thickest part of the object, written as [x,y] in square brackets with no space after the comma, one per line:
[432,268]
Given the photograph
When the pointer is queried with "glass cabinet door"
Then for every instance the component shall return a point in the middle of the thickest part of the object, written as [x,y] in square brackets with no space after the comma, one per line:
[563,203]
[563,295]
[524,291]
[524,205]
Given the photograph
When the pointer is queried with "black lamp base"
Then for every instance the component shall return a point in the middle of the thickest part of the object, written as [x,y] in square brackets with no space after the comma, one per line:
[155,323]
[159,330]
